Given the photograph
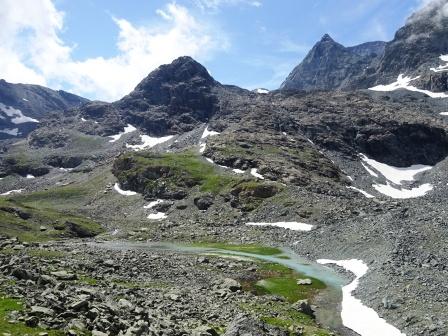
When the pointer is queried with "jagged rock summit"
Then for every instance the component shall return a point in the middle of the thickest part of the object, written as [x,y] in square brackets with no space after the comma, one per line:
[174,98]
[415,51]
[329,65]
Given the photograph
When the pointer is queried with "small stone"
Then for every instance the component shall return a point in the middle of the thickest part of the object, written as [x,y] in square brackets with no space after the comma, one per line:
[38,310]
[64,275]
[32,321]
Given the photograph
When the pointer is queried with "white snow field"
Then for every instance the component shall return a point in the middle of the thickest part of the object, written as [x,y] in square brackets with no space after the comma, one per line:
[208,133]
[10,131]
[254,172]
[365,193]
[149,142]
[402,193]
[295,226]
[157,216]
[153,204]
[15,191]
[441,68]
[394,174]
[355,315]
[204,136]
[17,116]
[128,129]
[123,192]
[262,91]
[404,83]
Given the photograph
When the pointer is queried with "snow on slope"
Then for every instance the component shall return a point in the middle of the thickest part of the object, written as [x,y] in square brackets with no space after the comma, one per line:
[17,116]
[395,176]
[401,193]
[128,129]
[441,68]
[254,172]
[123,192]
[204,137]
[16,191]
[404,83]
[355,315]
[149,142]
[13,131]
[365,193]
[295,226]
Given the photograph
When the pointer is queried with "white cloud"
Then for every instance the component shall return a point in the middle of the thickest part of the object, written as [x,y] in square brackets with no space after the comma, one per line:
[215,4]
[32,51]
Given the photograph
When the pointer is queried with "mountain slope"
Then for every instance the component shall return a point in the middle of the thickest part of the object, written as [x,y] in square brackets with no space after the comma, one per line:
[415,52]
[22,106]
[329,65]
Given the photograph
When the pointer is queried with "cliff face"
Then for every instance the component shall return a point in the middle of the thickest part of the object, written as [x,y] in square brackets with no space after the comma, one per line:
[414,51]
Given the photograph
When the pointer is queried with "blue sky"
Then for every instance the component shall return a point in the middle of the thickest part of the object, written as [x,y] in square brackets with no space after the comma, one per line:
[102,48]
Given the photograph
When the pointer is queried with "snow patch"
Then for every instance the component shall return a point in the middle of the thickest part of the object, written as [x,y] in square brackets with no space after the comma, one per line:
[365,193]
[395,174]
[262,91]
[370,171]
[208,133]
[441,68]
[128,129]
[24,99]
[444,113]
[149,142]
[389,190]
[355,315]
[254,172]
[29,176]
[153,204]
[202,147]
[17,116]
[124,192]
[404,83]
[157,216]
[83,119]
[15,191]
[295,226]
[238,171]
[13,131]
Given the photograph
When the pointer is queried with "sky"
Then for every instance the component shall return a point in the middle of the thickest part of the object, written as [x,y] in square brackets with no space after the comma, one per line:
[101,49]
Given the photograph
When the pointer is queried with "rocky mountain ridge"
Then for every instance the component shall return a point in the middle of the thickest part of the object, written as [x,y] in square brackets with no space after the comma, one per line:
[22,106]
[415,50]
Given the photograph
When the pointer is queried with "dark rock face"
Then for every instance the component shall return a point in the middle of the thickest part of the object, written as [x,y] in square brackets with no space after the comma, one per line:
[18,101]
[415,48]
[173,99]
[329,65]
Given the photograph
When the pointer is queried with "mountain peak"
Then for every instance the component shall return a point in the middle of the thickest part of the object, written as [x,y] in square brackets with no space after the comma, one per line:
[326,38]
[181,70]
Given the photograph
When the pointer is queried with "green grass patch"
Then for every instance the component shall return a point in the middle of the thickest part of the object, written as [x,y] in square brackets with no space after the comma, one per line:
[184,169]
[45,254]
[7,305]
[24,221]
[246,248]
[87,280]
[277,279]
[285,317]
